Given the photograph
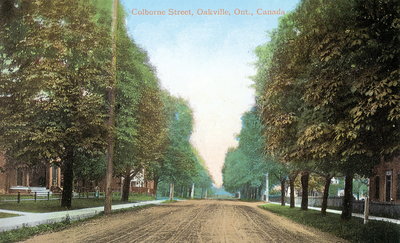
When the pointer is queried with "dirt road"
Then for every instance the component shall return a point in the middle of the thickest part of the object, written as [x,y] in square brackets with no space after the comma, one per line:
[191,221]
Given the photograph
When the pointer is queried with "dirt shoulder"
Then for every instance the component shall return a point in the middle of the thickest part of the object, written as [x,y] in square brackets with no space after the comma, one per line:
[191,221]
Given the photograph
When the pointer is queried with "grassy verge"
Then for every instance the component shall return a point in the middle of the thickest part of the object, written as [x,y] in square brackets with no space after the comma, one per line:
[353,230]
[7,215]
[133,197]
[27,232]
[170,201]
[77,203]
[52,205]
[250,200]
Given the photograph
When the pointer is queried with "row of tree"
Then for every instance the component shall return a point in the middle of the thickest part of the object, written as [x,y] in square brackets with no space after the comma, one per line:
[55,71]
[246,165]
[328,90]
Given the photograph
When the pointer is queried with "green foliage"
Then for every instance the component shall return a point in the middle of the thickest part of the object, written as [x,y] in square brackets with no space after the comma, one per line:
[55,69]
[326,83]
[46,79]
[7,215]
[26,232]
[353,230]
[179,162]
[245,166]
[141,120]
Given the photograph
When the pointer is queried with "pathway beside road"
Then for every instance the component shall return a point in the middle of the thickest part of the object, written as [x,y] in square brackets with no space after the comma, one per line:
[358,215]
[32,219]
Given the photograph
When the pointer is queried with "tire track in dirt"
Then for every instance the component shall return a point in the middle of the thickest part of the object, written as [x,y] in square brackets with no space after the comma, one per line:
[254,227]
[191,221]
[137,232]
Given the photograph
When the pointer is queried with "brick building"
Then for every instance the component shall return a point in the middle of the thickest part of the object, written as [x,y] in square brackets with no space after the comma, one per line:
[49,176]
[21,178]
[385,184]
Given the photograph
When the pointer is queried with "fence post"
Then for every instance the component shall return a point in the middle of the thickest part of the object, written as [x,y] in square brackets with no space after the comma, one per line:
[48,196]
[19,197]
[35,196]
[366,209]
[366,204]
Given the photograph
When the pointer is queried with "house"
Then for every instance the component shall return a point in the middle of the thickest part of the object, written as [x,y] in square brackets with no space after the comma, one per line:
[23,178]
[139,184]
[385,184]
[48,176]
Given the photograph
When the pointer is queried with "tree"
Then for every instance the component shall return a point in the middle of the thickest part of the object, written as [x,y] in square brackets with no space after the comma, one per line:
[245,166]
[140,117]
[325,98]
[178,160]
[53,95]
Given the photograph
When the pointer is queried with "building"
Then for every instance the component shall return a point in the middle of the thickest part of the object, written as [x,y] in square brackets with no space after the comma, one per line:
[139,184]
[385,184]
[26,179]
[22,178]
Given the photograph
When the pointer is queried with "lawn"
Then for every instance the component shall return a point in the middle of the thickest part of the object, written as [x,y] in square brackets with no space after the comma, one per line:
[7,215]
[77,203]
[27,232]
[353,230]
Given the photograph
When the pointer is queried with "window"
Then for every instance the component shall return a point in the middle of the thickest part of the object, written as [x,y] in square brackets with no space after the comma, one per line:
[388,191]
[377,181]
[398,186]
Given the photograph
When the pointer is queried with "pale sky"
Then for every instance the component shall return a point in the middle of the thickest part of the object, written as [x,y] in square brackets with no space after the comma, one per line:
[208,61]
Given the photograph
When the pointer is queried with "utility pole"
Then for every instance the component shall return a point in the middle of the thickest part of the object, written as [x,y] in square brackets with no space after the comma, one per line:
[266,188]
[111,112]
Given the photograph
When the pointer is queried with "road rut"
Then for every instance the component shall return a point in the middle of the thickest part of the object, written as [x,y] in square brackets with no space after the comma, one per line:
[191,221]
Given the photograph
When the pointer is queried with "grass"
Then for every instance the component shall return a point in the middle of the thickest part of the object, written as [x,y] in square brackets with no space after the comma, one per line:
[353,230]
[27,232]
[249,200]
[133,197]
[170,201]
[77,203]
[7,215]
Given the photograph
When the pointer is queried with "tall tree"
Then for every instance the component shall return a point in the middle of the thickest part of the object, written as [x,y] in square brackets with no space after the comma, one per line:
[52,94]
[330,95]
[111,110]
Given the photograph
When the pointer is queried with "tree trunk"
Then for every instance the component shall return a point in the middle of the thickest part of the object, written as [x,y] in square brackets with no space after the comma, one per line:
[283,192]
[171,191]
[68,174]
[291,185]
[326,194]
[126,186]
[155,187]
[348,198]
[111,113]
[305,176]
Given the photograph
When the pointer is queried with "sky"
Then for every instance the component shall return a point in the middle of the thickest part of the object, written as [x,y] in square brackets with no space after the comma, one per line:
[206,59]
